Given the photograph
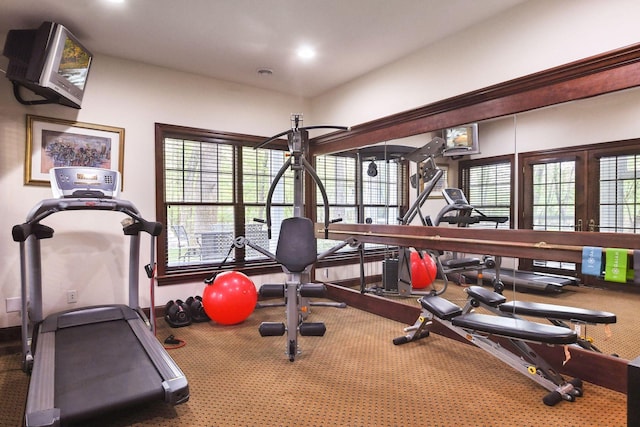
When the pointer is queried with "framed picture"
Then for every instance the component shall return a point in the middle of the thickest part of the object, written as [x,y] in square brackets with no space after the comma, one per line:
[55,142]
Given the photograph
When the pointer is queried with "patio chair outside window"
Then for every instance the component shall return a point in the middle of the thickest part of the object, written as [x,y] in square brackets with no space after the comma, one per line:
[186,249]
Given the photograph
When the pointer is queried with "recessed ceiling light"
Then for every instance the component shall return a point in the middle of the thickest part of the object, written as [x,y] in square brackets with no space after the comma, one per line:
[306,52]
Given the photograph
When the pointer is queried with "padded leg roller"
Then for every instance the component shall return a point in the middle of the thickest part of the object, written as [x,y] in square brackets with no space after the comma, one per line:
[312,329]
[271,329]
[271,291]
[313,290]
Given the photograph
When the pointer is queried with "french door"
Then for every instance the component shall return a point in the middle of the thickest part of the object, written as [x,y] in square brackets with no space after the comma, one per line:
[594,188]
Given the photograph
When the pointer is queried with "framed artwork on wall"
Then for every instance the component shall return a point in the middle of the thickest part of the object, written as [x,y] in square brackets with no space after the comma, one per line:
[56,142]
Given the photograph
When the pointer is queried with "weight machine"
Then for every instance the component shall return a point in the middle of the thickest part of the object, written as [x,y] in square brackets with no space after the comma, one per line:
[297,246]
[397,272]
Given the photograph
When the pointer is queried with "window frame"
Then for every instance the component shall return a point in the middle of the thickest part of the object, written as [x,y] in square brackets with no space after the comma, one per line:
[175,275]
[465,165]
[191,273]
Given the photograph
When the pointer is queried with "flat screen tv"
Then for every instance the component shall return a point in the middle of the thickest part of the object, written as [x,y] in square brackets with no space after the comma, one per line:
[49,61]
[461,140]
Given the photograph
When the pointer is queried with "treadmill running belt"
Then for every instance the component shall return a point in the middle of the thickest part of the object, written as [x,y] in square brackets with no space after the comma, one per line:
[101,367]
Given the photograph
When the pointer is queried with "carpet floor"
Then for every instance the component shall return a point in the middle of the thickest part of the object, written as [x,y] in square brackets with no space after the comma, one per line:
[353,376]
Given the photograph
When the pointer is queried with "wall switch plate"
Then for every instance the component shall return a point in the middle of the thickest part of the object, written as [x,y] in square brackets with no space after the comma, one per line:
[13,304]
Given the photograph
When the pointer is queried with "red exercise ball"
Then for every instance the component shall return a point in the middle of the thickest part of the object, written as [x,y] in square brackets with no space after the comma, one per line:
[230,299]
[423,270]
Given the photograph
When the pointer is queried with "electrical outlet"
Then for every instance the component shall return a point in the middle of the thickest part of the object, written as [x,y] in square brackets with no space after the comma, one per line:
[72,297]
[13,304]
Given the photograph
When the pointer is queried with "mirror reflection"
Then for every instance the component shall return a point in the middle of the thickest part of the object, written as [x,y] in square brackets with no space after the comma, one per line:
[570,167]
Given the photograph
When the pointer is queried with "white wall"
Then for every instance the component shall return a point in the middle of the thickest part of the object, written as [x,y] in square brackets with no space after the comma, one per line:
[531,37]
[132,96]
[534,36]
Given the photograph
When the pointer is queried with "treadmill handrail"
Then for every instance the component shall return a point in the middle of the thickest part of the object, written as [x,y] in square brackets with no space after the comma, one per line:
[48,207]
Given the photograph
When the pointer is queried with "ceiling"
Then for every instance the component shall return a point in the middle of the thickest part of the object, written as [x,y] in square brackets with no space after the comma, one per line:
[232,39]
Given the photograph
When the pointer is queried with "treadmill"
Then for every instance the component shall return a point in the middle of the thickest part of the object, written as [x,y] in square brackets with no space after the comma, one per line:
[522,280]
[99,359]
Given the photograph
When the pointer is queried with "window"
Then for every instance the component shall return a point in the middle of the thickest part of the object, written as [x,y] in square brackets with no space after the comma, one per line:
[487,185]
[213,186]
[620,194]
[554,196]
[589,188]
[338,175]
[381,190]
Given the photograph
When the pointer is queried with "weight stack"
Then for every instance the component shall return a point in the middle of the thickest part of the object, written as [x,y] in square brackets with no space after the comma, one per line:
[390,274]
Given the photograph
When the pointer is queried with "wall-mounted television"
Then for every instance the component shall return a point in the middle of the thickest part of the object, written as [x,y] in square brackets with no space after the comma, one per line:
[461,140]
[50,61]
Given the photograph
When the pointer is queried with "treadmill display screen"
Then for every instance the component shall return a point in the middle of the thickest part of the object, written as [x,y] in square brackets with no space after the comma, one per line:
[454,196]
[83,182]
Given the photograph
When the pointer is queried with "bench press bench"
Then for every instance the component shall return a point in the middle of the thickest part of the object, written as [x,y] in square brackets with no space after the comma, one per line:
[558,315]
[479,328]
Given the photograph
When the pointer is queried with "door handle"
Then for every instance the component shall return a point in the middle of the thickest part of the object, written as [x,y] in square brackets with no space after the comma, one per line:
[578,226]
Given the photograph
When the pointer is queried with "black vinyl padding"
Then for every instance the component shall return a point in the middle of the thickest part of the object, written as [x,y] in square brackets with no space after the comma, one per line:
[485,296]
[498,325]
[461,262]
[102,367]
[297,246]
[558,312]
[510,327]
[440,307]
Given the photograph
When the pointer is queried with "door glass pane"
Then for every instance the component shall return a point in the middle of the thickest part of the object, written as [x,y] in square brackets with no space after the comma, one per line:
[619,194]
[554,201]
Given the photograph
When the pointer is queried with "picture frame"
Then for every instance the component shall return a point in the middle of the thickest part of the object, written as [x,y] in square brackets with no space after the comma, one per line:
[55,142]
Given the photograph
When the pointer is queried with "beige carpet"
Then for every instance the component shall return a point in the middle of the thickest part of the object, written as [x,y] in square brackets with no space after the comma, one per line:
[353,376]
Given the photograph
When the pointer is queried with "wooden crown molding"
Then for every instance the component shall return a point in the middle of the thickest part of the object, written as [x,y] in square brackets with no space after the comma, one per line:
[596,75]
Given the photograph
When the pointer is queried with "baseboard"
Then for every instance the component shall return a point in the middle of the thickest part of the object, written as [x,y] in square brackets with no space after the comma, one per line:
[10,340]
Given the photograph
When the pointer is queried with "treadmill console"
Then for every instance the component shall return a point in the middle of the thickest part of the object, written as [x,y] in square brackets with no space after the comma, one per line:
[454,196]
[84,182]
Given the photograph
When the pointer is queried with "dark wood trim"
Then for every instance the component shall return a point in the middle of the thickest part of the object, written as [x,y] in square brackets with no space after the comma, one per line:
[601,369]
[549,245]
[596,75]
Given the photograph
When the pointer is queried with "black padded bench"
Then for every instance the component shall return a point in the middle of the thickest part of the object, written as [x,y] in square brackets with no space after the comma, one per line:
[497,325]
[536,309]
[560,312]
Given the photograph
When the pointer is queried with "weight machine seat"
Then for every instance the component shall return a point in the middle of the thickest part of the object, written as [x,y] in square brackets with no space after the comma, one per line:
[297,245]
[497,325]
[558,312]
